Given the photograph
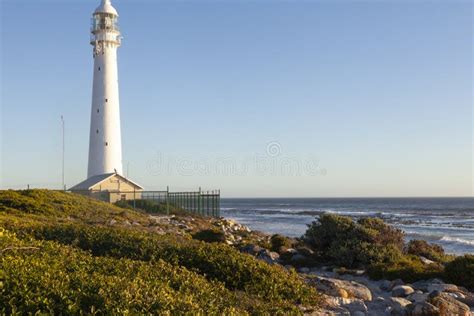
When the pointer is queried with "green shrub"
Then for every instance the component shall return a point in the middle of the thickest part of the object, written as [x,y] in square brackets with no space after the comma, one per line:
[42,277]
[422,248]
[407,268]
[278,242]
[46,205]
[461,271]
[210,235]
[347,243]
[215,261]
[152,207]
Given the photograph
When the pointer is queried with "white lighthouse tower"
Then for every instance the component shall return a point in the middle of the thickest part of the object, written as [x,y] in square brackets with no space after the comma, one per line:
[105,143]
[105,180]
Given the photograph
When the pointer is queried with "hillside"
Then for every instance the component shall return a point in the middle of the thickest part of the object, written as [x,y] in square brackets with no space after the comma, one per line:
[66,254]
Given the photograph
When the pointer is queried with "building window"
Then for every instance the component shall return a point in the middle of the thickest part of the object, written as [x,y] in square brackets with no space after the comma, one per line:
[99,68]
[106,100]
[97,110]
[123,197]
[106,144]
[97,131]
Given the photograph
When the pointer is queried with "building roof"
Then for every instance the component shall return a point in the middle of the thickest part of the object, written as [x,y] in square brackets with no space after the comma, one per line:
[106,7]
[88,184]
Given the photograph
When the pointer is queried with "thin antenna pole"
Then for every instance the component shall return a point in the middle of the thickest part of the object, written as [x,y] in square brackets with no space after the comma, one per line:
[63,151]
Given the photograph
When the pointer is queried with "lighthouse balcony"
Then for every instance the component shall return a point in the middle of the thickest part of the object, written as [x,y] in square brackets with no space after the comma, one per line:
[115,38]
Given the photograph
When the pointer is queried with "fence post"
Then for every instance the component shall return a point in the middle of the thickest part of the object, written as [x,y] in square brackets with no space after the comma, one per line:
[167,200]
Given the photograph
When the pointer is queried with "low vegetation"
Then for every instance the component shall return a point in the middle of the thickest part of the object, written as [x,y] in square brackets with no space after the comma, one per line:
[430,251]
[461,271]
[371,244]
[151,207]
[210,235]
[354,244]
[61,255]
[279,243]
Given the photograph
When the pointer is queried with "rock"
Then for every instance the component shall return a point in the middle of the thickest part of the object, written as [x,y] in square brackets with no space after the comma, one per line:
[304,270]
[468,299]
[333,287]
[377,307]
[354,305]
[448,305]
[298,257]
[402,290]
[397,282]
[418,297]
[343,293]
[251,249]
[269,257]
[442,288]
[397,306]
[305,251]
[398,302]
[112,222]
[426,260]
[421,285]
[386,285]
[422,309]
[290,250]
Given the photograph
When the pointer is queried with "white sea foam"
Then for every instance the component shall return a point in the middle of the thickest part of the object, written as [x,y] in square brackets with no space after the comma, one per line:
[457,240]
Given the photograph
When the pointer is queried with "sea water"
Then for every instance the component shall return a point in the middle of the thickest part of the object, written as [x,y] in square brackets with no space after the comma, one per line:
[448,222]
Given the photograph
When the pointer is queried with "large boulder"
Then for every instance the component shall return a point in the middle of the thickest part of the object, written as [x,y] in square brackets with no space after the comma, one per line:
[402,290]
[442,287]
[448,305]
[422,309]
[468,299]
[418,296]
[341,288]
[423,285]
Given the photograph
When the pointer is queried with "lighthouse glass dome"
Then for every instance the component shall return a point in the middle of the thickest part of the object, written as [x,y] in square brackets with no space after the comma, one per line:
[104,22]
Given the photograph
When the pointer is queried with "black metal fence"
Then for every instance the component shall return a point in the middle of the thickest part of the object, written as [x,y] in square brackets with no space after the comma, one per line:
[206,203]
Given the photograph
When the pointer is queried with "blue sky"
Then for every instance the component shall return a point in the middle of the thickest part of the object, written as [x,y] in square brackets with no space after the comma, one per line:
[293,98]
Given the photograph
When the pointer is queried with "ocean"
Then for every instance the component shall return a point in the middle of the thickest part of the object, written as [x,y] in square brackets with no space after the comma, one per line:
[448,222]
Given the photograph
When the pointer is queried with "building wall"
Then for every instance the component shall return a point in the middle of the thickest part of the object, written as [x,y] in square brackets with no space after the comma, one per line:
[105,147]
[118,189]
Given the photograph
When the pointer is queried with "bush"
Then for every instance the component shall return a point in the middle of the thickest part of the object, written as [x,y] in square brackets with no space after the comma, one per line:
[48,278]
[215,261]
[422,248]
[152,207]
[461,271]
[407,268]
[278,242]
[350,244]
[210,235]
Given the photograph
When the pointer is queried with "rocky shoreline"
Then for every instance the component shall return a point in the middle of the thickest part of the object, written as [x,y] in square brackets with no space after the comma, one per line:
[345,292]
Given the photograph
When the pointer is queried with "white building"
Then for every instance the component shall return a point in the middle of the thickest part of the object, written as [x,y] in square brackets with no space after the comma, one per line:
[105,144]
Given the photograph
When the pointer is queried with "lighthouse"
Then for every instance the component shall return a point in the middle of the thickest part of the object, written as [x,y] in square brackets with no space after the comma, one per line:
[105,180]
[105,142]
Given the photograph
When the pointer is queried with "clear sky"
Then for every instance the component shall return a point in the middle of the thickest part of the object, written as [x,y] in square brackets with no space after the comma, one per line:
[257,98]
